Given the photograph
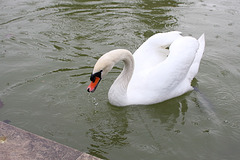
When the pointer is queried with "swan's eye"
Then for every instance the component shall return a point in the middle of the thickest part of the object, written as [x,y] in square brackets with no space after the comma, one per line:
[92,78]
[97,74]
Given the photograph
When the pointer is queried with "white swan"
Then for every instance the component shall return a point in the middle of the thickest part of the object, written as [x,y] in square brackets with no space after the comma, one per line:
[153,73]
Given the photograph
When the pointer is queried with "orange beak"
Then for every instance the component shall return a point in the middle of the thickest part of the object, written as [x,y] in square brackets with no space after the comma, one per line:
[93,85]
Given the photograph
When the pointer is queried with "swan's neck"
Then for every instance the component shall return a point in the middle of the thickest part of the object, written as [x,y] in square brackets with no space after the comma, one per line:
[118,92]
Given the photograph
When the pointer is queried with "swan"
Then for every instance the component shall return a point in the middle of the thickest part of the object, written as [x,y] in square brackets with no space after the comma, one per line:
[154,73]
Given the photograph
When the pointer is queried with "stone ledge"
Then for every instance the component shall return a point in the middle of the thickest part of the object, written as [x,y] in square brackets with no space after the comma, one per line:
[19,144]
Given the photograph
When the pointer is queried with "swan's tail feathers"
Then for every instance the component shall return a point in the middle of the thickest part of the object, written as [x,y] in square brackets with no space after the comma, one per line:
[201,48]
[196,63]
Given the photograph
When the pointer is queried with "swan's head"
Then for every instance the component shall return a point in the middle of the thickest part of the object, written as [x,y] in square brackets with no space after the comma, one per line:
[101,68]
[95,79]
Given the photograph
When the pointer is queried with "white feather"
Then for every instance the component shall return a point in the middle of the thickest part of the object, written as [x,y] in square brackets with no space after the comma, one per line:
[154,74]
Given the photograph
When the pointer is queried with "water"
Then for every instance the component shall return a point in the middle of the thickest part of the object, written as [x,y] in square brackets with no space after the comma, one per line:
[48,49]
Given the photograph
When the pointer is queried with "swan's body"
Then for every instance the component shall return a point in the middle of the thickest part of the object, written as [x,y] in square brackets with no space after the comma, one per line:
[153,74]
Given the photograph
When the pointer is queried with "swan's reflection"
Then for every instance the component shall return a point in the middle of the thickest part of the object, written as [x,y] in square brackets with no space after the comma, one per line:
[115,127]
[110,129]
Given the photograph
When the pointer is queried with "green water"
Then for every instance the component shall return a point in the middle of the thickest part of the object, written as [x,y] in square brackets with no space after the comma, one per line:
[48,49]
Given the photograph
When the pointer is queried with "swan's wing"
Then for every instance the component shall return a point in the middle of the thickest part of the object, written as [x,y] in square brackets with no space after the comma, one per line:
[168,78]
[176,67]
[154,51]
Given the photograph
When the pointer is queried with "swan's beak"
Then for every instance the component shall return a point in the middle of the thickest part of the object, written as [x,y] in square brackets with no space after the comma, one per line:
[93,85]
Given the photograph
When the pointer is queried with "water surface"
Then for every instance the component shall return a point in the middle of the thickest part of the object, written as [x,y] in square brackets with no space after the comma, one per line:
[48,49]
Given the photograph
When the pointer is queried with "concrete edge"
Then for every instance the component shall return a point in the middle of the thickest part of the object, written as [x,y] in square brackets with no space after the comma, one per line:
[16,143]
